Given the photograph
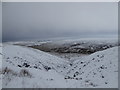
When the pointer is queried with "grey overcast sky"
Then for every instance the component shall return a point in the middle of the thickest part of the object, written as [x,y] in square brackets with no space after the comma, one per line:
[0,22]
[30,20]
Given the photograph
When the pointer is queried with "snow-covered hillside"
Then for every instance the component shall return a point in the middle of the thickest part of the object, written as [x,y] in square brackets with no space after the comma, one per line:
[0,65]
[36,69]
[96,70]
[44,68]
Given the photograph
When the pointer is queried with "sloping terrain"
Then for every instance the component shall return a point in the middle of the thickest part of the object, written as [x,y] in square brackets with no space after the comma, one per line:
[41,66]
[96,70]
[36,69]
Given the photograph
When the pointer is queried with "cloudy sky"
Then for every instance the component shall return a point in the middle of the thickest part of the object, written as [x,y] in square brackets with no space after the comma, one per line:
[0,22]
[42,20]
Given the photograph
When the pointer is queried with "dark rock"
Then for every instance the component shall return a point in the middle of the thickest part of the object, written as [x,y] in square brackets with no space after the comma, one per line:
[102,76]
[70,64]
[74,75]
[26,65]
[47,68]
[97,55]
[81,62]
[76,78]
[35,67]
[19,66]
[106,83]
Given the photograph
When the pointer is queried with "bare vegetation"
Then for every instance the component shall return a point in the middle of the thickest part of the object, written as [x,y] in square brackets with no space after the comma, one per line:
[81,48]
[23,72]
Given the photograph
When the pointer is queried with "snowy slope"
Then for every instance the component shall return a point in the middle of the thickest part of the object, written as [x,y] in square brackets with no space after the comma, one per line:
[42,66]
[36,69]
[97,70]
[31,58]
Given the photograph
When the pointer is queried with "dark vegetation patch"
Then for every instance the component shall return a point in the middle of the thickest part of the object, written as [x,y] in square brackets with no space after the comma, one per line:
[47,68]
[82,48]
[23,72]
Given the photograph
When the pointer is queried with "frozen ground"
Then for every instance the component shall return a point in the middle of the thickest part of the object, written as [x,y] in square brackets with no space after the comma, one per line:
[34,68]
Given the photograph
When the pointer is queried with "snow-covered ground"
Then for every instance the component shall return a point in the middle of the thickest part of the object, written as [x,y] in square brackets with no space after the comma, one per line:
[96,70]
[33,68]
[44,68]
[0,65]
